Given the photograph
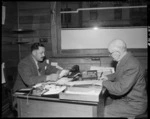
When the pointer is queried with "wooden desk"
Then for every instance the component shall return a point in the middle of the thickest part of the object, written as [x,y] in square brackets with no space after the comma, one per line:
[36,106]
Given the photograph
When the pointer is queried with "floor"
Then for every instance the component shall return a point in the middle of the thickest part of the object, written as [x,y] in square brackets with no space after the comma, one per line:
[10,114]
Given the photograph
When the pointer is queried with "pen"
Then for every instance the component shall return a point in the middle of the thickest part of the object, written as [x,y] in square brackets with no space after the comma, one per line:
[101,74]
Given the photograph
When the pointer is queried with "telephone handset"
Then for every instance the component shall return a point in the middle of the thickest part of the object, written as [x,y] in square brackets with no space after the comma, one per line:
[74,72]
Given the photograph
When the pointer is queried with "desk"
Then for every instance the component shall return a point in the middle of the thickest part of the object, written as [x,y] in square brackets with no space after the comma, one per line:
[36,106]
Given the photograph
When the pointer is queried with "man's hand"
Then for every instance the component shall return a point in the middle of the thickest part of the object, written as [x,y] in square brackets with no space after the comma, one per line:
[98,82]
[64,72]
[52,77]
[103,78]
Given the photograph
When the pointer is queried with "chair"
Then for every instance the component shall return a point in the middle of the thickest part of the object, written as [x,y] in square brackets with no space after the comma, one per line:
[144,115]
[10,76]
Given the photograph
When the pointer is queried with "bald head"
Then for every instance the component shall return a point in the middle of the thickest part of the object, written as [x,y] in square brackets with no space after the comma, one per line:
[117,45]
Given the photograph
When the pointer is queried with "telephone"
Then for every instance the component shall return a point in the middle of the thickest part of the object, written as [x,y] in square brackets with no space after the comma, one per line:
[74,72]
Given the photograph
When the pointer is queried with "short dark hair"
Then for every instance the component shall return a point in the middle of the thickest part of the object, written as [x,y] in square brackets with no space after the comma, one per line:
[36,46]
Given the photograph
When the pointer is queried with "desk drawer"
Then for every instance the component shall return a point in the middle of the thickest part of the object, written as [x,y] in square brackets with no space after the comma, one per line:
[37,108]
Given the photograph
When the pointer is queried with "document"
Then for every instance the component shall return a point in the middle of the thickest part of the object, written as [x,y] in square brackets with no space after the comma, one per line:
[103,70]
[53,89]
[84,82]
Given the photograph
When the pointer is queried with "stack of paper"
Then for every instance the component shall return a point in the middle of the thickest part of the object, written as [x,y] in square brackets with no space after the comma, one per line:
[84,82]
[82,93]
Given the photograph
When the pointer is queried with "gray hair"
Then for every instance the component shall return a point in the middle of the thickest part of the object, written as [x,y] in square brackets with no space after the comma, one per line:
[118,45]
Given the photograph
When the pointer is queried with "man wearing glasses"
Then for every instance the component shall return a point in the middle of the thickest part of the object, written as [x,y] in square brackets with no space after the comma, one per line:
[127,86]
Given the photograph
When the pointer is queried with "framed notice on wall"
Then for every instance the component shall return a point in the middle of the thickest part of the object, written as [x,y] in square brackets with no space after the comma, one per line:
[3,14]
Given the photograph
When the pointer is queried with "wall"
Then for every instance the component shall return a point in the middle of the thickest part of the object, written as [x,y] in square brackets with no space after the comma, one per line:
[9,46]
[35,16]
[86,62]
[9,52]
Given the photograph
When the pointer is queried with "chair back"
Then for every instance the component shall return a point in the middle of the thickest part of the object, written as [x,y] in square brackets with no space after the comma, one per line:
[3,75]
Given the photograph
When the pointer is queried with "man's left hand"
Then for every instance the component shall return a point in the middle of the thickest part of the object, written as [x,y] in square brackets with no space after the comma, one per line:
[98,82]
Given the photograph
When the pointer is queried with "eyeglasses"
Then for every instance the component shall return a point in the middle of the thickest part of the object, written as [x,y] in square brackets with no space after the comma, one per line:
[112,53]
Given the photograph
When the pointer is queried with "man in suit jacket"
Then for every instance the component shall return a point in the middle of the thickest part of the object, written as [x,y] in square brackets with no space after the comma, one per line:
[29,72]
[127,86]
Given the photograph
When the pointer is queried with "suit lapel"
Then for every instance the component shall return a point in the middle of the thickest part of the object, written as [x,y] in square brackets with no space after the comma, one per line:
[33,64]
[122,62]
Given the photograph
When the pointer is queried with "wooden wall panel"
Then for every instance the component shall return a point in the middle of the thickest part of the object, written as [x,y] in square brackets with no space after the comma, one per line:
[9,51]
[35,11]
[36,26]
[33,5]
[9,48]
[34,19]
[35,16]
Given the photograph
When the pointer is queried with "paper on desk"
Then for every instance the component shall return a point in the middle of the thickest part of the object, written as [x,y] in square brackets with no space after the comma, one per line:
[84,91]
[105,70]
[53,89]
[92,92]
[85,82]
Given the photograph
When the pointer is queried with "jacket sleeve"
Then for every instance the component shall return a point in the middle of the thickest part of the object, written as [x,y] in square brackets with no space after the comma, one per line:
[27,75]
[111,77]
[124,83]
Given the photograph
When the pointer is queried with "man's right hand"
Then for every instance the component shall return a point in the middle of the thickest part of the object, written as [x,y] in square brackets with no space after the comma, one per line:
[64,72]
